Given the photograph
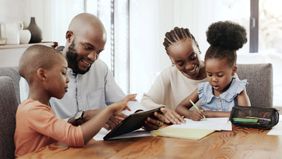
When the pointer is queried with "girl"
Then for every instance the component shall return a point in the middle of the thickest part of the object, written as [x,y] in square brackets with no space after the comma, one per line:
[222,91]
[45,70]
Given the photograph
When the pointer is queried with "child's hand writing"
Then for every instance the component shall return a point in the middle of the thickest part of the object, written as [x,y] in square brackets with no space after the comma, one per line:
[122,105]
[196,115]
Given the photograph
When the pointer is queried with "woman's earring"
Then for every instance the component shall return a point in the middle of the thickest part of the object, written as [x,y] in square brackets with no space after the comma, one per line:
[172,63]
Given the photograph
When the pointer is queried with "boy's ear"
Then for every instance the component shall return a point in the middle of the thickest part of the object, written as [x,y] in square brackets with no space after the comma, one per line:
[41,74]
[69,35]
[234,70]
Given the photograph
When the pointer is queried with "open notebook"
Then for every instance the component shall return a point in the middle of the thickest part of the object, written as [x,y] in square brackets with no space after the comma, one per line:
[208,123]
[193,134]
[195,129]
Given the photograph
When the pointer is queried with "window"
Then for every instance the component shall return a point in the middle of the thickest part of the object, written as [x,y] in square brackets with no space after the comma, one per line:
[115,17]
[254,27]
[270,40]
[135,32]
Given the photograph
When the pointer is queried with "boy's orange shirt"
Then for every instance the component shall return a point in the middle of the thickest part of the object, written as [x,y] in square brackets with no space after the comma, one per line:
[37,126]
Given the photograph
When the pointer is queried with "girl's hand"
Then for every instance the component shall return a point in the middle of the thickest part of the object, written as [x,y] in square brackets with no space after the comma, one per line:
[195,115]
[122,105]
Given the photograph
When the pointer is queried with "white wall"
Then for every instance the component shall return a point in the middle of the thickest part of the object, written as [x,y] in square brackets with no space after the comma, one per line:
[52,16]
[146,36]
[17,11]
[197,15]
[151,19]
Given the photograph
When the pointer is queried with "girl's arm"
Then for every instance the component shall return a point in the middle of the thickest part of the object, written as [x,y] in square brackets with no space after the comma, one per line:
[243,99]
[185,105]
[216,114]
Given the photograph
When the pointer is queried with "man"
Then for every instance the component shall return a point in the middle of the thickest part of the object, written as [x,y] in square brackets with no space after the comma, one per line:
[91,84]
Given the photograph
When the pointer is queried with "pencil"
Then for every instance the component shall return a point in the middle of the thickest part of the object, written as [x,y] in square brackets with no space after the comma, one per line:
[196,107]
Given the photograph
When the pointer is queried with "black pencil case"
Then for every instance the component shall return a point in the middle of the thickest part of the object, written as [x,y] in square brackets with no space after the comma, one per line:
[254,117]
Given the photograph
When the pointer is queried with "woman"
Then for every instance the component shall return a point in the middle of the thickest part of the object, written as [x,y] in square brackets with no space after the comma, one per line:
[177,81]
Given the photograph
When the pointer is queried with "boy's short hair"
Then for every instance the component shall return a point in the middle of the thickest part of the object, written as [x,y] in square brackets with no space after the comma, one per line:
[35,57]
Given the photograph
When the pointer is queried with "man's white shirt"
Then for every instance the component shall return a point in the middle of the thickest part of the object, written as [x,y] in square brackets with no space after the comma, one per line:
[92,90]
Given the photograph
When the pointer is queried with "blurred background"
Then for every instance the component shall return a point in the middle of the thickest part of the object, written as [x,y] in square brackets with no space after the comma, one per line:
[136,28]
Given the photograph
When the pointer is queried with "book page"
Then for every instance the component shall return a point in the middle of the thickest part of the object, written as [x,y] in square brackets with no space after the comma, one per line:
[133,106]
[208,123]
[184,133]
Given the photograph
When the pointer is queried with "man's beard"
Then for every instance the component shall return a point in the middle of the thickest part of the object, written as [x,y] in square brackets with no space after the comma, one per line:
[73,58]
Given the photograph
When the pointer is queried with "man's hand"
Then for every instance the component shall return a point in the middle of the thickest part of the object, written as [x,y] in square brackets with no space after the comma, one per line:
[114,120]
[88,114]
[75,122]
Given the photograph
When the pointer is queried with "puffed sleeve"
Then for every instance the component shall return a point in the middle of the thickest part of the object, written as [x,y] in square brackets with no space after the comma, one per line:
[204,92]
[236,88]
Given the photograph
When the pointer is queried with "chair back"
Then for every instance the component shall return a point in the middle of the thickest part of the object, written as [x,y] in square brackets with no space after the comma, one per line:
[260,79]
[13,73]
[8,108]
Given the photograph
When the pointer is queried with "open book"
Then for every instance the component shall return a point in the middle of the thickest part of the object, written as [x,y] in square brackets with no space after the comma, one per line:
[195,129]
[193,134]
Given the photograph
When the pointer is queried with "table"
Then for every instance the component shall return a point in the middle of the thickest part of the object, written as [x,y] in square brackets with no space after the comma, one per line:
[241,143]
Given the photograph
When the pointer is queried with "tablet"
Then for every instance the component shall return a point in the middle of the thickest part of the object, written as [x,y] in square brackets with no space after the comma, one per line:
[130,123]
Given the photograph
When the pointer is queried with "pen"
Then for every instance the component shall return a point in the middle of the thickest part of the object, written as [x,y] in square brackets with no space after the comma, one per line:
[265,119]
[252,120]
[196,107]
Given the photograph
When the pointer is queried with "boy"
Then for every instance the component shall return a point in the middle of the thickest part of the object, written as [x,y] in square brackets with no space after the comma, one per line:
[45,70]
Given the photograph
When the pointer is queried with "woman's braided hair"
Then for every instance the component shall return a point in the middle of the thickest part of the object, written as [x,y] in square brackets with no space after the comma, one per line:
[178,34]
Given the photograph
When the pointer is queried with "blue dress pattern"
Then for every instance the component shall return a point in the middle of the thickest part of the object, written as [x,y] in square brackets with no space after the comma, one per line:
[225,101]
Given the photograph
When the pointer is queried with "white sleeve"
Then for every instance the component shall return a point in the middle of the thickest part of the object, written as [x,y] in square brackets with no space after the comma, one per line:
[155,97]
[24,89]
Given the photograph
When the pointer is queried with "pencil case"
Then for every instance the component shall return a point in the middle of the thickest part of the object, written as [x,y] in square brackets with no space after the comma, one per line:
[254,117]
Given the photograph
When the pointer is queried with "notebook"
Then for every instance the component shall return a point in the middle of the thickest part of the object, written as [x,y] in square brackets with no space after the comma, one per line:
[208,123]
[184,133]
[195,129]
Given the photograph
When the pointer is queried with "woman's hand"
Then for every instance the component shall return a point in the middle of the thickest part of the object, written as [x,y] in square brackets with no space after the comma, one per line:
[163,117]
[169,116]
